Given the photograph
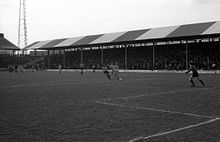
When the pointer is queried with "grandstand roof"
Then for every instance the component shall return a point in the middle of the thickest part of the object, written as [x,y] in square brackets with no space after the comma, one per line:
[6,44]
[188,30]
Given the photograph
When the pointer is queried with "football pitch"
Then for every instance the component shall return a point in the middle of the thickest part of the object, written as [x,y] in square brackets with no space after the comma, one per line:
[143,107]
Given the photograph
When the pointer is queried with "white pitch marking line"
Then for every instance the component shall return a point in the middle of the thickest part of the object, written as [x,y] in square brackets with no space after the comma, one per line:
[50,84]
[176,130]
[159,93]
[155,109]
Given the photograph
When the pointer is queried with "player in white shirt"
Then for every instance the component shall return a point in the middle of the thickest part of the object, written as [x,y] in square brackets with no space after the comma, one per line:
[115,71]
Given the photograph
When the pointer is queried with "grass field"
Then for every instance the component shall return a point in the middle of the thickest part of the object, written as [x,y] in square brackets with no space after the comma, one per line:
[143,107]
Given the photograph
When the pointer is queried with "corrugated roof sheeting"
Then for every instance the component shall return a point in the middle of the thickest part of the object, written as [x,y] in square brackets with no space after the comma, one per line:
[7,45]
[131,35]
[87,39]
[190,29]
[157,33]
[68,42]
[39,44]
[29,46]
[109,37]
[52,43]
[214,29]
[144,34]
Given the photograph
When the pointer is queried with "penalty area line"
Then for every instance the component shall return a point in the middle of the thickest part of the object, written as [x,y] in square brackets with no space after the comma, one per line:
[211,120]
[155,110]
[160,93]
[175,130]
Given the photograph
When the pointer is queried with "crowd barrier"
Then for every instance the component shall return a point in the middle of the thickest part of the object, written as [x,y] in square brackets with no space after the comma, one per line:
[139,71]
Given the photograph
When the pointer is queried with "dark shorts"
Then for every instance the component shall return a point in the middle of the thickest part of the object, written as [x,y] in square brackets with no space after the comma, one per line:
[106,72]
[195,74]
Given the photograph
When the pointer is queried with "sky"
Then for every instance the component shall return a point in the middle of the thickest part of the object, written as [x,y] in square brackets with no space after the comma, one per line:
[54,19]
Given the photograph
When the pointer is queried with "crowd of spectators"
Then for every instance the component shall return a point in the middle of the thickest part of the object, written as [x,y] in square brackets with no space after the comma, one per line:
[166,57]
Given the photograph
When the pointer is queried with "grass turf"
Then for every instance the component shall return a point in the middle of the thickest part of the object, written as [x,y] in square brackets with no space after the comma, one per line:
[46,106]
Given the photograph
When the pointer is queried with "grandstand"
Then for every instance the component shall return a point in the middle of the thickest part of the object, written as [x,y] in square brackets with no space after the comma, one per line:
[170,47]
[7,52]
[6,47]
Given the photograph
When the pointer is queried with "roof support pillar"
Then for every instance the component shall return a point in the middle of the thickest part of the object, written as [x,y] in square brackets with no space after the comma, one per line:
[48,59]
[64,58]
[81,56]
[187,55]
[13,52]
[35,52]
[153,56]
[102,55]
[126,56]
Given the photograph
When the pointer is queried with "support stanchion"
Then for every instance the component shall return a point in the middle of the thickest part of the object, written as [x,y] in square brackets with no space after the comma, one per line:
[187,55]
[126,56]
[153,65]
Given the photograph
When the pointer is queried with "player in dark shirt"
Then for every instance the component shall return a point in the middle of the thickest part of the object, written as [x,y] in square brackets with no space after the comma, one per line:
[195,74]
[106,72]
